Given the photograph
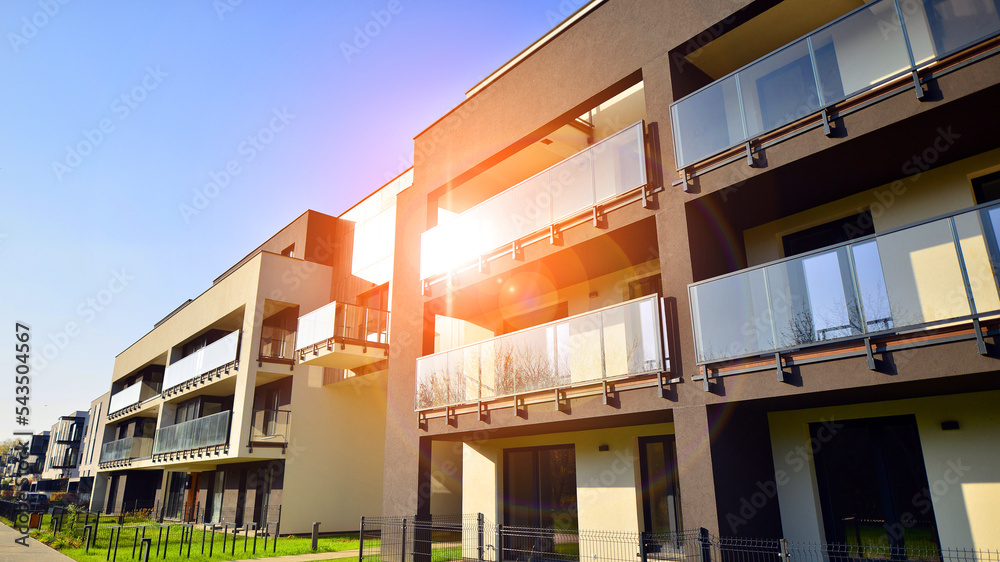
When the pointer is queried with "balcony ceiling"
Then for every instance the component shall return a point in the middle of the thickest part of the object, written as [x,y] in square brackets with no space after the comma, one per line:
[772,29]
[565,142]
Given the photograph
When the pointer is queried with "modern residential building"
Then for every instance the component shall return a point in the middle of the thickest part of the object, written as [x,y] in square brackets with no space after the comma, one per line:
[62,459]
[90,453]
[29,461]
[717,264]
[264,397]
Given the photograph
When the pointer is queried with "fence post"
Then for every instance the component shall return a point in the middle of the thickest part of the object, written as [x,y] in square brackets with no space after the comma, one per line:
[361,541]
[499,547]
[315,536]
[783,553]
[88,531]
[111,536]
[704,555]
[97,523]
[166,542]
[117,536]
[642,546]
[277,530]
[480,529]
[402,545]
[147,545]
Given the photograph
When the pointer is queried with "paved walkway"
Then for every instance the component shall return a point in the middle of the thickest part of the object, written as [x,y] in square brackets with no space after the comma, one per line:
[11,551]
[309,557]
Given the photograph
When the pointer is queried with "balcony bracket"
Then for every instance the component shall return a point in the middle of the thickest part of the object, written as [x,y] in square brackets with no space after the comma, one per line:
[597,216]
[483,266]
[553,235]
[704,379]
[483,411]
[520,410]
[645,197]
[604,397]
[980,342]
[514,251]
[826,123]
[559,400]
[686,179]
[749,155]
[868,353]
[425,288]
[451,416]
[778,367]
[917,86]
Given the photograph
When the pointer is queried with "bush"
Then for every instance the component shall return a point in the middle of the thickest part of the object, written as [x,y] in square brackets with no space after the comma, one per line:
[64,498]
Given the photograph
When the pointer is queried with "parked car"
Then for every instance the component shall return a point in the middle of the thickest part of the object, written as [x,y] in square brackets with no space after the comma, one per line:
[34,501]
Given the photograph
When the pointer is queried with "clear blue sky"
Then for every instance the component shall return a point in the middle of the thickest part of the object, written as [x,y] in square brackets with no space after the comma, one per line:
[115,115]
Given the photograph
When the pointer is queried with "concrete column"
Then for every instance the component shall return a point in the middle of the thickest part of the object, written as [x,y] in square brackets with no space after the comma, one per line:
[696,474]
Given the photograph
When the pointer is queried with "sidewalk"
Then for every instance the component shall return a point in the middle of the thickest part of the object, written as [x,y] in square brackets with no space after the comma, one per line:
[11,551]
[348,554]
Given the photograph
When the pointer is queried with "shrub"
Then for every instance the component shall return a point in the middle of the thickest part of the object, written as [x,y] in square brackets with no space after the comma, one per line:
[64,498]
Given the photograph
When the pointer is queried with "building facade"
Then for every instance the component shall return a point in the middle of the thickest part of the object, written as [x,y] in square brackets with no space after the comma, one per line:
[231,408]
[715,264]
[62,459]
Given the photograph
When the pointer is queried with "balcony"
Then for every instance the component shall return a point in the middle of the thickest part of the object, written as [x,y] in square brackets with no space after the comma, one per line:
[858,52]
[343,336]
[276,344]
[69,431]
[69,459]
[126,449]
[269,428]
[132,396]
[209,431]
[617,341]
[930,274]
[609,168]
[206,360]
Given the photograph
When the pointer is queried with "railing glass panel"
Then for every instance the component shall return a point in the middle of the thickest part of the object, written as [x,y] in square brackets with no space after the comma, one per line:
[342,320]
[898,280]
[621,340]
[611,167]
[203,432]
[855,53]
[127,448]
[125,398]
[204,360]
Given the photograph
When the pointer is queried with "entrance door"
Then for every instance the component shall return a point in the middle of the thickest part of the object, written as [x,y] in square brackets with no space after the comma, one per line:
[873,486]
[661,507]
[539,498]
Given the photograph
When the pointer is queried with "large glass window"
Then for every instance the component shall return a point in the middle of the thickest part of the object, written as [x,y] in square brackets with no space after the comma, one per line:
[540,493]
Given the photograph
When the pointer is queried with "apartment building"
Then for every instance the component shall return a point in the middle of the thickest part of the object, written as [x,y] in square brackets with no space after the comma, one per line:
[713,264]
[264,397]
[62,459]
[29,461]
[90,453]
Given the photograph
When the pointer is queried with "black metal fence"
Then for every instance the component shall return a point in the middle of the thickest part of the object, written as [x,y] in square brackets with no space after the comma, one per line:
[127,533]
[473,538]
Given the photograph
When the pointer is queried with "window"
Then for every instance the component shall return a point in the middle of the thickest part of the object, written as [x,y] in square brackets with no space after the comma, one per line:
[872,483]
[661,507]
[829,234]
[987,188]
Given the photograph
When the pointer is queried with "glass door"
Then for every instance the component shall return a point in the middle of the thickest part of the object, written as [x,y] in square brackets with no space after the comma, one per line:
[539,500]
[873,486]
[661,506]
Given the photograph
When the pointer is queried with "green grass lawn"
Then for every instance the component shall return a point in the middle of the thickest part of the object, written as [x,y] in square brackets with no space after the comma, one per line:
[71,544]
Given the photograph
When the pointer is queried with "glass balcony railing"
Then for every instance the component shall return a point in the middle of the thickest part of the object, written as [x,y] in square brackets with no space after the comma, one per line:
[127,448]
[619,340]
[343,322]
[208,431]
[612,167]
[276,343]
[206,359]
[857,52]
[931,273]
[138,392]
